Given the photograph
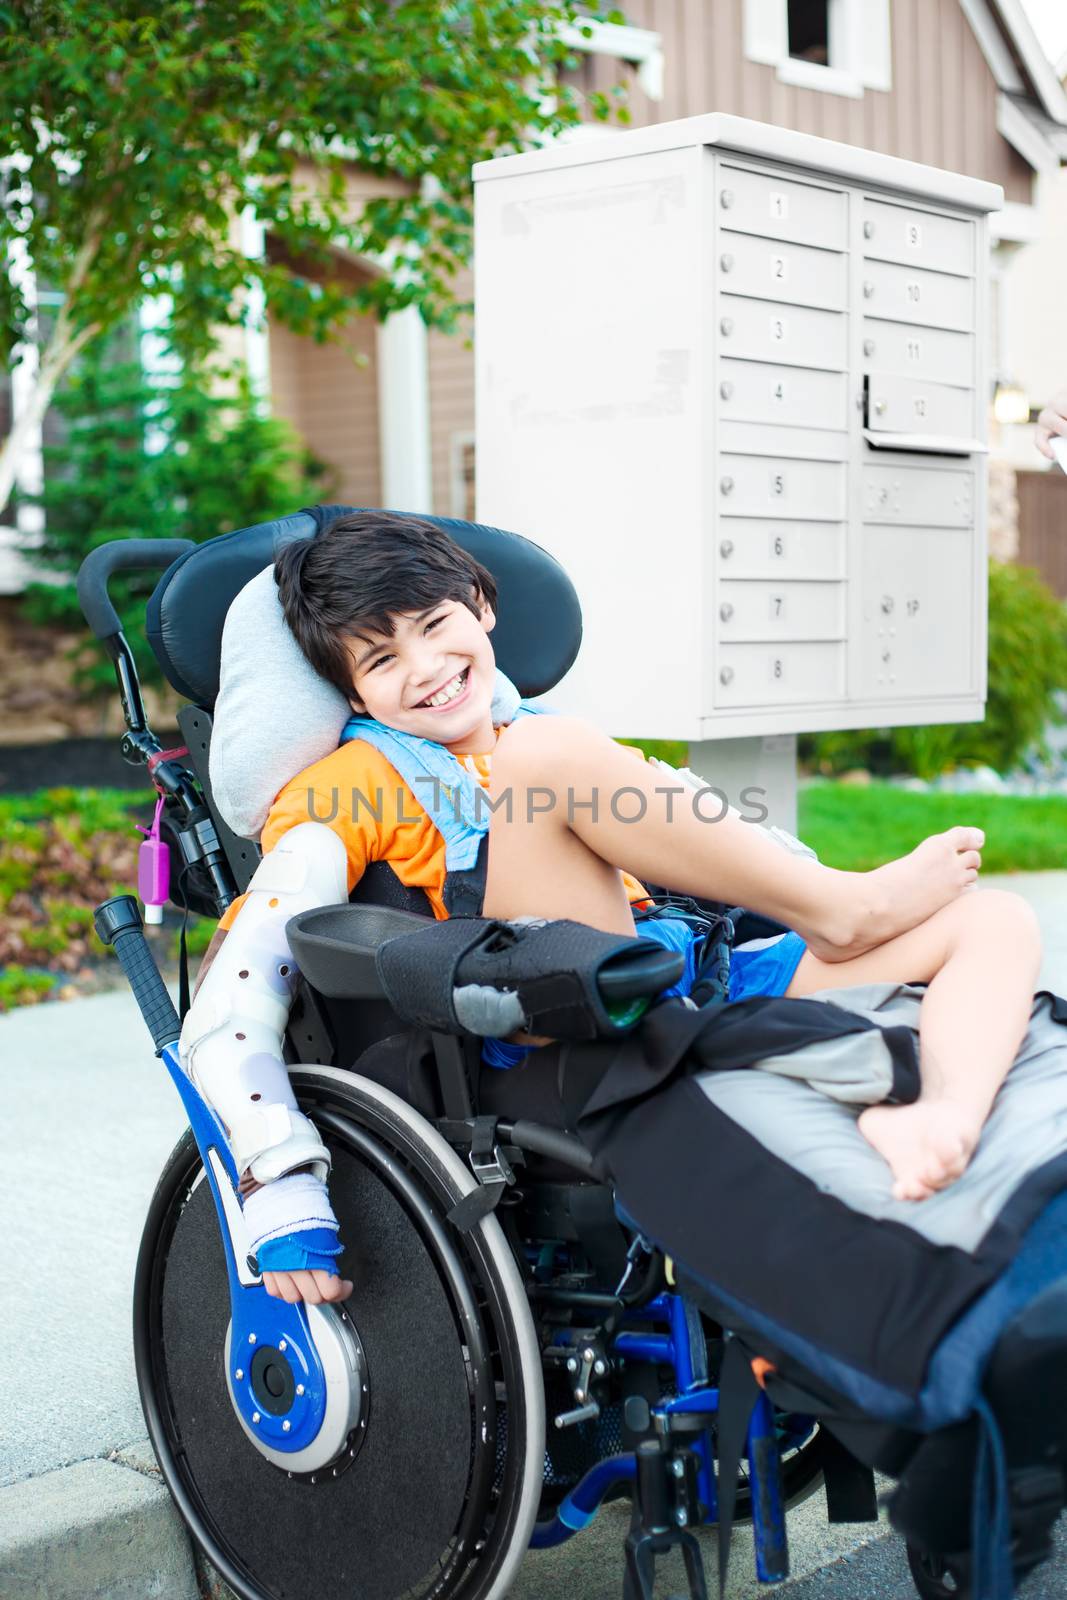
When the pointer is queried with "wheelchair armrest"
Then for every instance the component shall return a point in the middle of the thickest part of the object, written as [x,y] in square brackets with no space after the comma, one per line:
[336,947]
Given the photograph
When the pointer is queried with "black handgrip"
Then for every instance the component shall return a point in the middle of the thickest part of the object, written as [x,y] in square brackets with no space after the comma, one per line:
[118,923]
[120,555]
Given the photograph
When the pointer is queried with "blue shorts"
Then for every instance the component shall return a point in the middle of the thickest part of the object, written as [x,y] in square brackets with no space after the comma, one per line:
[764,966]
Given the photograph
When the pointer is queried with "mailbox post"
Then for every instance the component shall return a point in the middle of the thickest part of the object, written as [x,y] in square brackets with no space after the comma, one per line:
[734,378]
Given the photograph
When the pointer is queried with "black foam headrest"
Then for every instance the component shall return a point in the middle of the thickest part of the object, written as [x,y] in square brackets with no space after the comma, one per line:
[536,638]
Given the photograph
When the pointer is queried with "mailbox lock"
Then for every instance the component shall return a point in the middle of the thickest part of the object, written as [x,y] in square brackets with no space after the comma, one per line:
[726,390]
[726,674]
[880,407]
[868,347]
[726,485]
[887,604]
[726,548]
[726,327]
[726,262]
[726,611]
[868,290]
[868,230]
[726,199]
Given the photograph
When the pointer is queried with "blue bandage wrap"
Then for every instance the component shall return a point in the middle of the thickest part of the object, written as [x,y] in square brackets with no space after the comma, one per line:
[299,1252]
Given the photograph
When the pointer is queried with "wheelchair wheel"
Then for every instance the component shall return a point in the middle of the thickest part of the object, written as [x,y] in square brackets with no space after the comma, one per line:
[442,1495]
[935,1578]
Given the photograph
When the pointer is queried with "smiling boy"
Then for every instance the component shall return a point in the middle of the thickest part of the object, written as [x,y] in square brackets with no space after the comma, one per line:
[399,617]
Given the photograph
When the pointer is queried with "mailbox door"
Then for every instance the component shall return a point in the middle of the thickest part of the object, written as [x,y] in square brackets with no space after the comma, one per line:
[918,613]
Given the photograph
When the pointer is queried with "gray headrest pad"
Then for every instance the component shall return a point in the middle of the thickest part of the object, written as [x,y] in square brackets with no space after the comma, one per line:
[274,715]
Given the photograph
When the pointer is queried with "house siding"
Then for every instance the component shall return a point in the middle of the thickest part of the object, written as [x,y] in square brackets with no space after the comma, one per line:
[329,392]
[940,111]
[451,405]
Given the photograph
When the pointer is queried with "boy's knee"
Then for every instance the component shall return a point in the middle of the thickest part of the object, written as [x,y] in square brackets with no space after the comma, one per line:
[529,746]
[1004,915]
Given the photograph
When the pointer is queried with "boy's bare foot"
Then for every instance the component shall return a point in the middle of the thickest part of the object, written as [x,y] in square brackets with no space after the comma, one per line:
[927,1145]
[904,893]
[313,1286]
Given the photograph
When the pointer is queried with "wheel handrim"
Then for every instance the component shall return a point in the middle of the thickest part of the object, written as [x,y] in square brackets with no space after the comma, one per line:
[478,1508]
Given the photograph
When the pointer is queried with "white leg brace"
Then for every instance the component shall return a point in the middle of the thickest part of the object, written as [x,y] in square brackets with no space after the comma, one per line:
[231,1042]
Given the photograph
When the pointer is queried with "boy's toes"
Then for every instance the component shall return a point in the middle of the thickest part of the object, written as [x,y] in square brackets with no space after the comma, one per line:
[911,1188]
[964,838]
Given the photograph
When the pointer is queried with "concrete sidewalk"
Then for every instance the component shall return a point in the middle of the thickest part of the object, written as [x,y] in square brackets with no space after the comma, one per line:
[89,1118]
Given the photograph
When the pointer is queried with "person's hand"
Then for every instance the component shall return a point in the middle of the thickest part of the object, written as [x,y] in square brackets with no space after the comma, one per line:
[1052,420]
[311,1285]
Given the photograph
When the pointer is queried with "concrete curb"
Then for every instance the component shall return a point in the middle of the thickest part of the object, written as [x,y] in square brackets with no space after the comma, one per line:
[99,1530]
[107,1529]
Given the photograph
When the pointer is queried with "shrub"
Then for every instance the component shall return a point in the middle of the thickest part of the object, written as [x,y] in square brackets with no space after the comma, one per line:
[184,459]
[1027,665]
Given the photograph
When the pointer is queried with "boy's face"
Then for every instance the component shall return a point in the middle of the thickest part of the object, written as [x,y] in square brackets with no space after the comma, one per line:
[442,655]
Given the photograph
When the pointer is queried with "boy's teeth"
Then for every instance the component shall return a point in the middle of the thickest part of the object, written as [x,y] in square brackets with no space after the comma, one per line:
[449,692]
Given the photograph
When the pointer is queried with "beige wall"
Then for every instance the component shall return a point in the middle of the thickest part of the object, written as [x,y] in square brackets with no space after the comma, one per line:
[451,407]
[329,392]
[941,110]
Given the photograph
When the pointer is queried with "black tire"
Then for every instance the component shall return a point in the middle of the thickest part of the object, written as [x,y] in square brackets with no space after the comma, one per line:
[441,1498]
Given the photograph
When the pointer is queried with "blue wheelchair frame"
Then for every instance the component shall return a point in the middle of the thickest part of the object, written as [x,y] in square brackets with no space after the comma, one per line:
[260,1318]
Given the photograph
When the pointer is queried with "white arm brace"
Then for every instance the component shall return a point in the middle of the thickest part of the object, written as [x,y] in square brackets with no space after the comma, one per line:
[231,1041]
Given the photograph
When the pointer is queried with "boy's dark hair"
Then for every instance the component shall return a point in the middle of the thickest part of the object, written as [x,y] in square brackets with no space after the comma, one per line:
[359,572]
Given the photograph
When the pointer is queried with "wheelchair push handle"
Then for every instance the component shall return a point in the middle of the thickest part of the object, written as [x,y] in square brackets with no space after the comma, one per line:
[120,555]
[118,923]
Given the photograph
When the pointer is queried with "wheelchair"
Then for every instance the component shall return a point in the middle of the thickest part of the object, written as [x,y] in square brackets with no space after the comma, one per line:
[513,1355]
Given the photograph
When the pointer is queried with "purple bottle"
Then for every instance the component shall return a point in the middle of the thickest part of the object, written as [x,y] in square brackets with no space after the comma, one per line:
[153,869]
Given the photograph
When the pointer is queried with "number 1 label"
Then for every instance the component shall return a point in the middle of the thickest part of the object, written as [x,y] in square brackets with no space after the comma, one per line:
[779,204]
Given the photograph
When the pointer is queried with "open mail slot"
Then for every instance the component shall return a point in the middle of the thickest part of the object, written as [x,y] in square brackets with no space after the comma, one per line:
[905,413]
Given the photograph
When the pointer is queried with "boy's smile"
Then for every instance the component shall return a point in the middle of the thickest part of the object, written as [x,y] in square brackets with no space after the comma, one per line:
[433,676]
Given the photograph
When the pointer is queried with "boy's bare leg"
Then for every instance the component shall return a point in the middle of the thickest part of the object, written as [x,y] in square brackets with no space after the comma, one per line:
[980,958]
[554,766]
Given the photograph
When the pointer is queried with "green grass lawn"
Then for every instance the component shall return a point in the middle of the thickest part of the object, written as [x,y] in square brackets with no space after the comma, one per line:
[857,828]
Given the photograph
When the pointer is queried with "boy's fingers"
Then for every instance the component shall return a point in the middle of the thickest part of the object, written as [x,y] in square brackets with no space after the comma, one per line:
[332,1289]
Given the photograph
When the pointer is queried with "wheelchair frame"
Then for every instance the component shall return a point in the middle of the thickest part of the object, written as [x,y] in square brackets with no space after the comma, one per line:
[670,1468]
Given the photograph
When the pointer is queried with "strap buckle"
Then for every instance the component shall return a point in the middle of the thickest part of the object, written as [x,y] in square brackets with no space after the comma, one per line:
[493,1171]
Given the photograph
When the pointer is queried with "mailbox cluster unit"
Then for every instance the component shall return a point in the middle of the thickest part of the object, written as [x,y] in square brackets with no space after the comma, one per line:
[733,377]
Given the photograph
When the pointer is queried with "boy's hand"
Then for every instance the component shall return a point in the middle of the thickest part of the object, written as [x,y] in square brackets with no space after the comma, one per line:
[313,1286]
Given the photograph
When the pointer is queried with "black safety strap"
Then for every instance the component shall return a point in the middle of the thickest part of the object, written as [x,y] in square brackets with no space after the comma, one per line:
[738,1393]
[493,1172]
[183,950]
[850,1493]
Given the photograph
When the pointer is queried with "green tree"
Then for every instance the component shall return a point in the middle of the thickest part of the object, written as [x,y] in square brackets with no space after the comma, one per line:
[185,459]
[132,137]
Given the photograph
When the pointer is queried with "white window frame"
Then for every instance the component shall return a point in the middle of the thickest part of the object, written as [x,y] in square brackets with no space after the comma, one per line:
[861,56]
[640,46]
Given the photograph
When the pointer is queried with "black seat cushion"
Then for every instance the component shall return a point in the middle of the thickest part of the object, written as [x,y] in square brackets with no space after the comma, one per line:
[539,620]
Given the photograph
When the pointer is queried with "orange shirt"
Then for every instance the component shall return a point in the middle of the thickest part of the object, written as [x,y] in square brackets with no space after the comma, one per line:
[361,796]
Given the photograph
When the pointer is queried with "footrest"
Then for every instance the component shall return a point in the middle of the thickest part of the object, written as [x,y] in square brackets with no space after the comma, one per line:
[479,976]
